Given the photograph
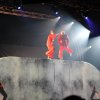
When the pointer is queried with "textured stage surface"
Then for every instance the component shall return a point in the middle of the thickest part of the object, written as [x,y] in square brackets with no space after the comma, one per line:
[43,79]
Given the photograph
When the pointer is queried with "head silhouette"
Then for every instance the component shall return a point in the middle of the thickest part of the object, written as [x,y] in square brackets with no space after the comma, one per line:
[73,97]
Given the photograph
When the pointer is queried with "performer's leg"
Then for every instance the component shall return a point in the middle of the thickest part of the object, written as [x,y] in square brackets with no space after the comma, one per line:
[46,53]
[2,91]
[69,50]
[51,52]
[60,54]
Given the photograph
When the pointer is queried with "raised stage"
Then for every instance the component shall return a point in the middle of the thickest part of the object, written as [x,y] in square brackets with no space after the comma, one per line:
[43,79]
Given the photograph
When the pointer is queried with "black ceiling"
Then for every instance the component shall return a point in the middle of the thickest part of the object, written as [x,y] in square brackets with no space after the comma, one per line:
[88,4]
[75,7]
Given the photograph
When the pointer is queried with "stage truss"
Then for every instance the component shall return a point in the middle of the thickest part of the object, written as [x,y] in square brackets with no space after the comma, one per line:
[16,12]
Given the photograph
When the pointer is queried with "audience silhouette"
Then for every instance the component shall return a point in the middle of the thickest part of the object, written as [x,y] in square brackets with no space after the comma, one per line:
[73,97]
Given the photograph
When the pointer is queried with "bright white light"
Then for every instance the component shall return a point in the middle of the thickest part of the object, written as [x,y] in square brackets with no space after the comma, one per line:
[86,17]
[94,53]
[94,42]
[54,21]
[83,34]
[59,17]
[90,47]
[68,26]
[56,13]
[72,23]
[80,36]
[19,7]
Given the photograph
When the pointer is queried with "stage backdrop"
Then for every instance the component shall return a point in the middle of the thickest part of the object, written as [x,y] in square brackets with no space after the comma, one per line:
[43,79]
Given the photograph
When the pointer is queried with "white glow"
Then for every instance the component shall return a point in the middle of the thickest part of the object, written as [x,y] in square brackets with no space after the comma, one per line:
[19,7]
[83,34]
[90,47]
[95,42]
[86,17]
[59,17]
[68,26]
[56,12]
[94,53]
[54,21]
[72,23]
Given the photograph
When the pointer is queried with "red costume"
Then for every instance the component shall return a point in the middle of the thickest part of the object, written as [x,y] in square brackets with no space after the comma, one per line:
[63,42]
[49,44]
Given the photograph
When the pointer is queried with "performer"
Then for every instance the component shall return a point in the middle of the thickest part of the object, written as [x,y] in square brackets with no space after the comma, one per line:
[2,91]
[63,42]
[50,45]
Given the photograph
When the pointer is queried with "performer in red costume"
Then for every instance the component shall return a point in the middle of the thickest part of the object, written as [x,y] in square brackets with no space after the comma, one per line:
[50,45]
[63,42]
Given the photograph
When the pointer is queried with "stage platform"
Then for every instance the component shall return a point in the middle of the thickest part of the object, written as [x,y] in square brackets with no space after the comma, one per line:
[44,79]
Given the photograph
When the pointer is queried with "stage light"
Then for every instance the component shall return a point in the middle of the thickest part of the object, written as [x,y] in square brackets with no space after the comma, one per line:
[59,17]
[19,7]
[68,26]
[90,47]
[86,17]
[90,23]
[56,13]
[72,23]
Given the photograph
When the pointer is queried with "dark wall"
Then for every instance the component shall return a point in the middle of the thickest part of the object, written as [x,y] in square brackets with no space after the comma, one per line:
[22,51]
[23,31]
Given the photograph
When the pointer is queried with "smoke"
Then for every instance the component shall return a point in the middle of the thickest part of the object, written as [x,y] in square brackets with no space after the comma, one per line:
[42,79]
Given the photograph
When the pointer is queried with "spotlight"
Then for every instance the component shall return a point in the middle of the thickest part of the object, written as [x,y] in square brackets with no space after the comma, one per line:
[90,47]
[59,17]
[19,7]
[86,17]
[72,23]
[56,13]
